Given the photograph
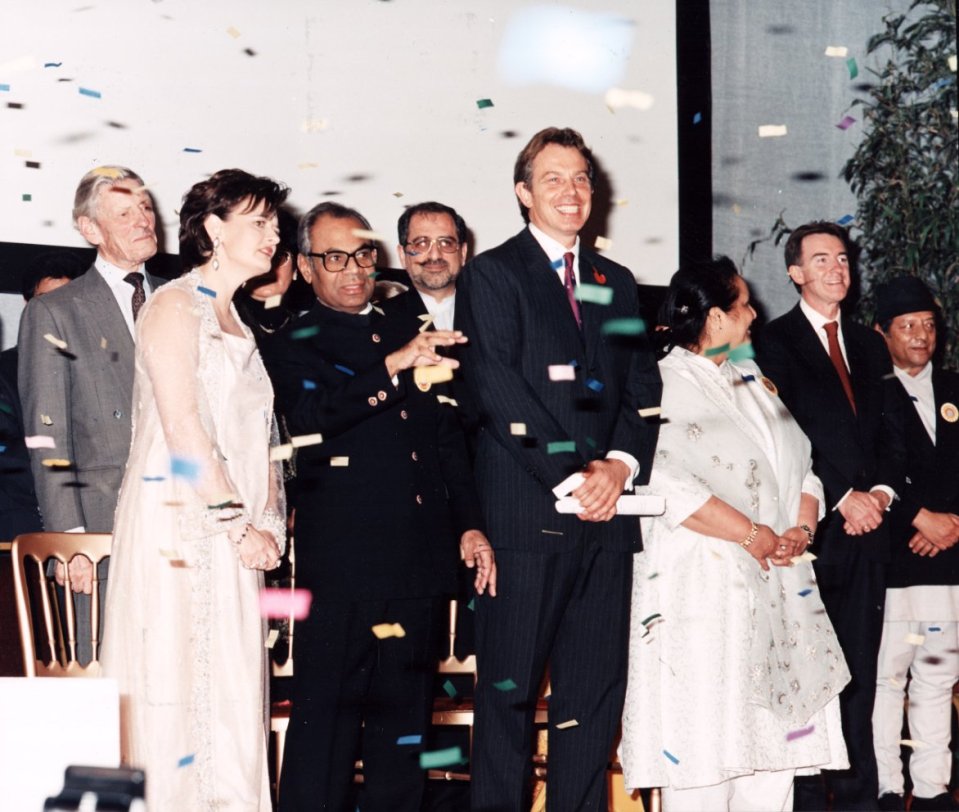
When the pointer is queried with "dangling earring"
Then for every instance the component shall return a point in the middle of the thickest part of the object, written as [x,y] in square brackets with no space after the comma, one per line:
[216,247]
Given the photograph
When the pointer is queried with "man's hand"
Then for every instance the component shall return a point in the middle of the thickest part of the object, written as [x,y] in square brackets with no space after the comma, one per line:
[605,481]
[475,550]
[862,511]
[938,529]
[421,351]
[81,574]
[920,545]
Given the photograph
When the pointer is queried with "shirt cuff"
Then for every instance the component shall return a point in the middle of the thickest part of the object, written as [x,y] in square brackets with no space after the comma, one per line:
[630,461]
[886,490]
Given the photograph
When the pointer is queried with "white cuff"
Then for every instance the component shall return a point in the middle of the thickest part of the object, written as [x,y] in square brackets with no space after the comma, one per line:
[630,461]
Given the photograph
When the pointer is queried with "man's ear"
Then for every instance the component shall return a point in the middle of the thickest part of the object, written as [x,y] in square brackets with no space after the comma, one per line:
[306,268]
[523,193]
[89,230]
[797,275]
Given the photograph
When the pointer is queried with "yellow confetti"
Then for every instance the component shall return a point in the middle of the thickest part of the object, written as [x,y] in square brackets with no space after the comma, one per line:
[306,439]
[103,343]
[366,234]
[621,202]
[603,244]
[772,130]
[427,320]
[56,463]
[314,125]
[565,725]
[308,165]
[384,630]
[432,374]
[339,462]
[45,419]
[952,62]
[106,172]
[281,452]
[23,153]
[271,638]
[397,194]
[652,411]
[915,639]
[801,559]
[617,97]
[518,429]
[837,50]
[272,301]
[233,32]
[449,401]
[168,553]
[913,743]
[59,343]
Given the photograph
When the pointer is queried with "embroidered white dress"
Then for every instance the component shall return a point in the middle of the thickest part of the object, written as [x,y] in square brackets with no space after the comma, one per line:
[731,669]
[183,634]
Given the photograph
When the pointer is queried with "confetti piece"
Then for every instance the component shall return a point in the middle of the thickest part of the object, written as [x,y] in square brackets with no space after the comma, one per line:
[560,447]
[505,685]
[26,197]
[56,463]
[308,165]
[616,98]
[281,452]
[284,603]
[653,575]
[792,735]
[308,384]
[5,88]
[623,327]
[343,369]
[471,605]
[6,407]
[397,194]
[846,123]
[384,630]
[185,468]
[698,117]
[836,50]
[171,554]
[561,372]
[432,374]
[720,350]
[414,739]
[306,439]
[339,462]
[652,411]
[934,629]
[272,301]
[952,62]
[233,32]
[153,478]
[552,532]
[186,761]
[853,67]
[314,125]
[845,220]
[596,294]
[192,149]
[59,343]
[39,441]
[446,400]
[651,618]
[450,689]
[772,130]
[567,725]
[441,758]
[32,164]
[45,419]
[596,386]
[366,234]
[93,94]
[915,744]
[742,353]
[484,103]
[23,153]
[671,757]
[427,320]
[914,639]
[271,638]
[804,592]
[517,429]
[206,291]
[304,332]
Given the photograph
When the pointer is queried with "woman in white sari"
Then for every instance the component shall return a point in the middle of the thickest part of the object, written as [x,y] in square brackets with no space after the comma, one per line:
[734,666]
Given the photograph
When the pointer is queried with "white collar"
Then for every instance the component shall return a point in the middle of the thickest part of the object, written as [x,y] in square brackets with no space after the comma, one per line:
[553,248]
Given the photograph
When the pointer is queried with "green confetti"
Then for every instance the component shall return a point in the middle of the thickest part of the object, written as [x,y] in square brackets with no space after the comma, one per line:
[471,605]
[5,407]
[651,618]
[26,197]
[482,103]
[559,446]
[441,758]
[853,67]
[653,575]
[742,353]
[596,294]
[623,327]
[505,685]
[304,332]
[721,350]
[450,689]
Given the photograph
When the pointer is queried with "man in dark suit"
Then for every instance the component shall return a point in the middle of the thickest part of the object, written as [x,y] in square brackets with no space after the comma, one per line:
[829,372]
[556,395]
[922,587]
[380,505]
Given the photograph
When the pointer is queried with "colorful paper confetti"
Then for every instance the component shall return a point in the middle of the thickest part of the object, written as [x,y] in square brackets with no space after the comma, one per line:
[561,372]
[697,118]
[837,50]
[343,369]
[306,439]
[186,761]
[915,639]
[39,441]
[792,735]
[413,739]
[595,294]
[59,343]
[594,385]
[385,630]
[772,130]
[651,411]
[192,149]
[441,758]
[484,103]
[285,603]
[623,327]
[304,332]
[271,638]
[568,724]
[308,384]
[206,291]
[804,592]
[339,462]
[853,67]
[505,685]
[93,94]
[846,123]
[185,468]
[450,689]
[671,757]
[561,446]
[845,220]
[517,429]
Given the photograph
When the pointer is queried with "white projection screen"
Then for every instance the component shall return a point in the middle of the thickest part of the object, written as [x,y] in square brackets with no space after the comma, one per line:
[377,104]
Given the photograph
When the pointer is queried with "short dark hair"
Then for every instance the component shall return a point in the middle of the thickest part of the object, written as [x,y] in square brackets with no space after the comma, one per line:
[693,291]
[325,209]
[564,137]
[222,194]
[429,207]
[50,265]
[793,250]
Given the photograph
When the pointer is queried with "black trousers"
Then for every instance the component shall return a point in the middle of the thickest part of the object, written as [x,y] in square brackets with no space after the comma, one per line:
[356,696]
[854,594]
[570,610]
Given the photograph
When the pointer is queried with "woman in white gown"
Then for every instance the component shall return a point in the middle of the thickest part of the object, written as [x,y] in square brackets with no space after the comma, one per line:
[200,516]
[734,667]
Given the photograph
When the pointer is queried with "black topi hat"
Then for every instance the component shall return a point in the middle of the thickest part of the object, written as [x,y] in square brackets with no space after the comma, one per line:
[904,294]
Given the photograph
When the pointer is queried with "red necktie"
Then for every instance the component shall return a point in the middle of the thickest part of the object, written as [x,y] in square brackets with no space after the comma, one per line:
[569,282]
[835,354]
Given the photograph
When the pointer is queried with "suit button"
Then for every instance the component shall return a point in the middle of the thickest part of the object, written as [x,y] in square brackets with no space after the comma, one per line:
[415,457]
[376,338]
[404,414]
[117,414]
[372,401]
[381,395]
[419,499]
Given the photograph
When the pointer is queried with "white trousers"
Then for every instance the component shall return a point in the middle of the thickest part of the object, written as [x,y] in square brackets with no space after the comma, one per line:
[765,791]
[934,665]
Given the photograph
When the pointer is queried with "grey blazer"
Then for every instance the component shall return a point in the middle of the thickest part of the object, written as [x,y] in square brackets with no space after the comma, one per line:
[81,396]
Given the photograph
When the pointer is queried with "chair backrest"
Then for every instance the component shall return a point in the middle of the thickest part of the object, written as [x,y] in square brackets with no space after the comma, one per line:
[56,610]
[451,665]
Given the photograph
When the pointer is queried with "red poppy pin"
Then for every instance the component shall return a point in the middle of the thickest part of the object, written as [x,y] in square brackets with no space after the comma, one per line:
[599,277]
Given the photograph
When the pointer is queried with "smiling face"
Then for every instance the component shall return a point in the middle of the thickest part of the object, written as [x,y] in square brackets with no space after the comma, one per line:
[124,226]
[433,271]
[349,290]
[248,239]
[822,273]
[559,196]
[911,340]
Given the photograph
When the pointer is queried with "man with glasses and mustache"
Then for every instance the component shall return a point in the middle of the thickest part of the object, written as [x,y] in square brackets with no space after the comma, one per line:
[384,492]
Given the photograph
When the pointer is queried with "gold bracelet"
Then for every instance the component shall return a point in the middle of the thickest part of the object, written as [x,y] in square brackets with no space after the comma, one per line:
[753,532]
[810,533]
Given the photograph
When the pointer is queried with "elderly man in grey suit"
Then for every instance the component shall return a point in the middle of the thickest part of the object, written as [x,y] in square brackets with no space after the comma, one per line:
[76,361]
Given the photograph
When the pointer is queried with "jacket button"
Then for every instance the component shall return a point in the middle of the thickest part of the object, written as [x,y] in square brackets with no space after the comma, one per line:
[415,456]
[404,414]
[376,338]
[381,395]
[372,401]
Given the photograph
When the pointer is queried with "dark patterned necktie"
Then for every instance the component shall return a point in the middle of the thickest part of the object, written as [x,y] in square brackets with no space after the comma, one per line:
[135,278]
[835,353]
[569,282]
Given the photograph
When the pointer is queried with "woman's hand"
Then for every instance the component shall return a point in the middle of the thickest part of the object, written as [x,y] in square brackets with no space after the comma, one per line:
[796,540]
[768,547]
[258,550]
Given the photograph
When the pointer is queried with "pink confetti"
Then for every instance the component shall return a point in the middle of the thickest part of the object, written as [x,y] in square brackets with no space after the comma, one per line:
[792,735]
[846,123]
[285,603]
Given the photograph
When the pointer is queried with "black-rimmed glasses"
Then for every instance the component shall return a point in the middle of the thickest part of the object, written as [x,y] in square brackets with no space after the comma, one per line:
[422,245]
[336,261]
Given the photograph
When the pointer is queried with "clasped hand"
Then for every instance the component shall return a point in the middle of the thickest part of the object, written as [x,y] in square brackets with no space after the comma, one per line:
[605,480]
[779,550]
[863,511]
[258,550]
[935,532]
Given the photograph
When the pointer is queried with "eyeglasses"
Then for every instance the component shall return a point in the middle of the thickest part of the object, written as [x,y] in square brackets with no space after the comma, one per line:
[422,245]
[336,261]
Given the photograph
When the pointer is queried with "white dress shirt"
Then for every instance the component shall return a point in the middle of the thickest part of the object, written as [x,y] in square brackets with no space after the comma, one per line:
[122,291]
[919,389]
[441,310]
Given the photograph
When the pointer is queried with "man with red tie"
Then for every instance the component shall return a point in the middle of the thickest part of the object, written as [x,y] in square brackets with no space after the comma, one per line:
[829,372]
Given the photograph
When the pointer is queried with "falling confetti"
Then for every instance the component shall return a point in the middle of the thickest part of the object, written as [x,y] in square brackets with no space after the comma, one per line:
[772,130]
[853,67]
[343,369]
[505,685]
[804,592]
[281,452]
[59,343]
[698,117]
[595,294]
[56,463]
[450,689]
[192,149]
[914,639]
[671,757]
[617,97]
[561,372]
[567,725]
[846,123]
[561,446]
[836,50]
[915,744]
[484,103]
[441,758]
[742,353]
[651,411]
[845,220]
[596,386]
[339,462]
[206,291]
[285,603]
[233,32]
[624,327]
[185,468]
[792,735]
[385,630]
[414,739]
[271,638]
[517,429]
[304,332]
[366,234]
[305,439]
[93,94]
[273,301]
[39,441]
[186,761]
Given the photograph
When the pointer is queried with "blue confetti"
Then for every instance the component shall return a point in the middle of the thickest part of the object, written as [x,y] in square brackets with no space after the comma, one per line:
[748,378]
[154,478]
[935,628]
[308,384]
[596,386]
[417,739]
[804,592]
[845,219]
[2,448]
[183,467]
[344,369]
[556,264]
[4,87]
[186,760]
[192,149]
[697,118]
[52,64]
[93,94]
[574,363]
[206,291]
[671,757]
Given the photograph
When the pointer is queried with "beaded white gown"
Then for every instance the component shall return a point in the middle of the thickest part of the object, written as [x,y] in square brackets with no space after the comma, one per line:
[731,669]
[183,633]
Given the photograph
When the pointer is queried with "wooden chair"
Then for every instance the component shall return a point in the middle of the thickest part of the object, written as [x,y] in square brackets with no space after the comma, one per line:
[280,711]
[52,650]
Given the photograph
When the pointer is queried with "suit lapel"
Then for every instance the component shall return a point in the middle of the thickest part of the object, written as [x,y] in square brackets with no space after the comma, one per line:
[104,322]
[593,315]
[947,432]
